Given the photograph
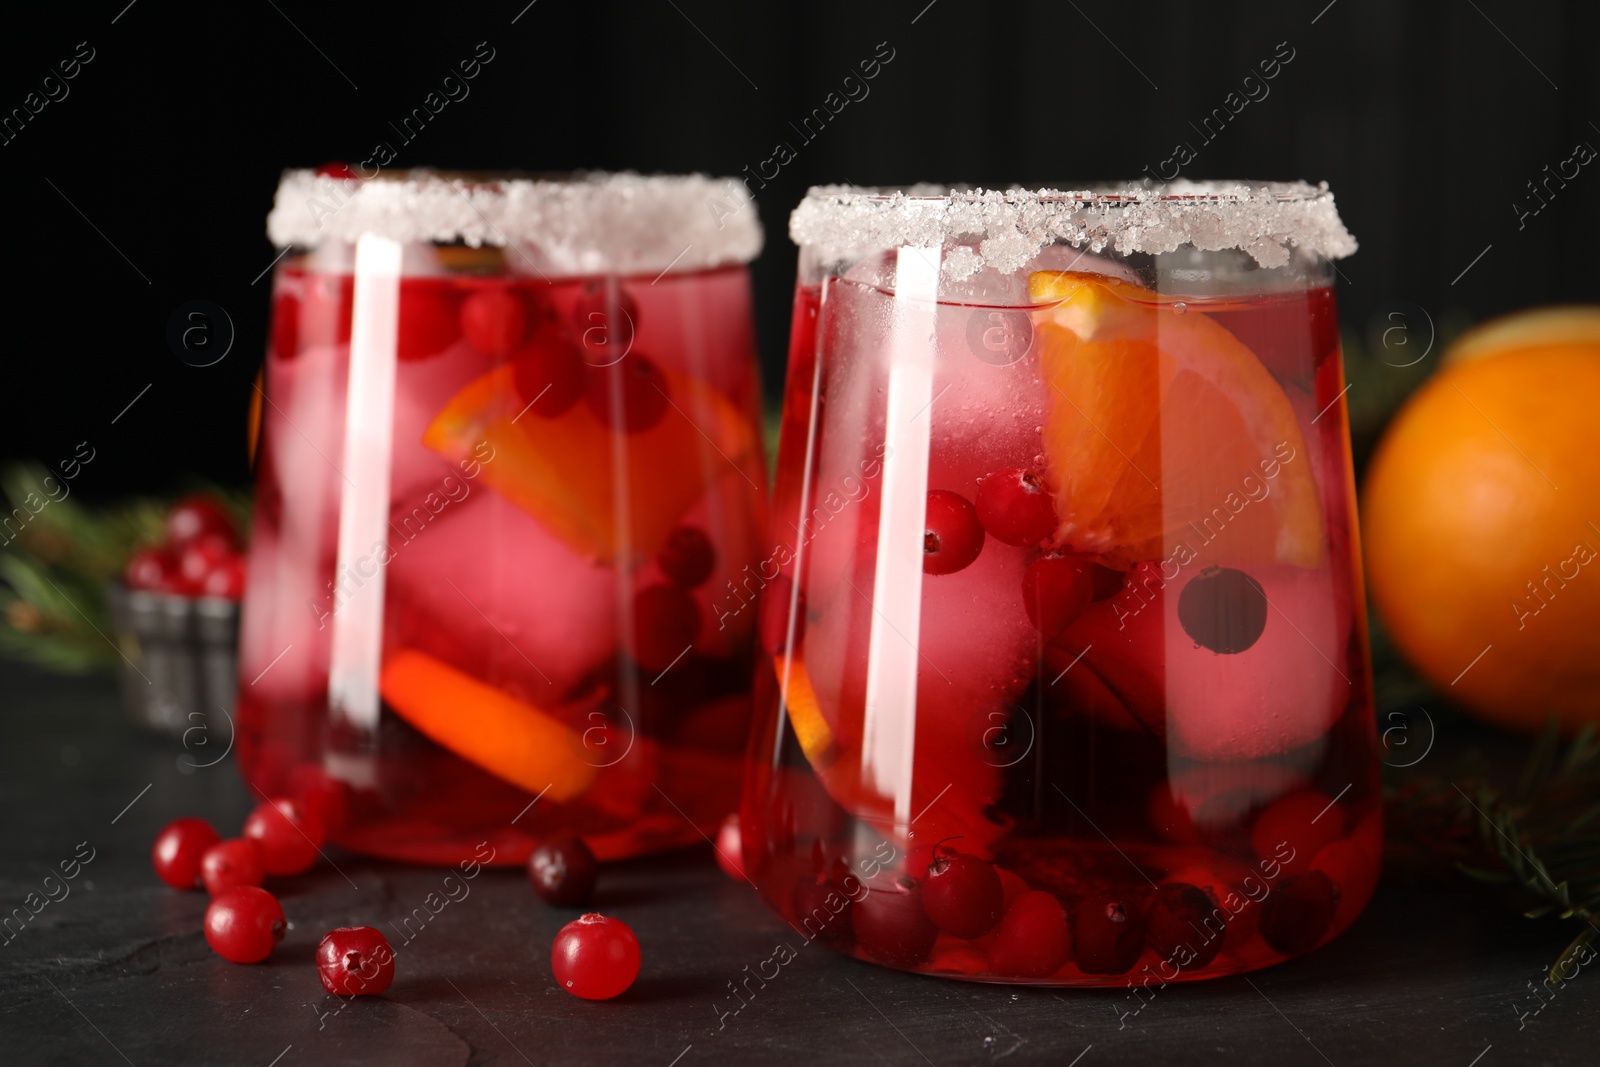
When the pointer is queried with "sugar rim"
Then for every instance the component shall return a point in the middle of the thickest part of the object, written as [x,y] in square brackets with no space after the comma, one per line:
[592,222]
[1268,220]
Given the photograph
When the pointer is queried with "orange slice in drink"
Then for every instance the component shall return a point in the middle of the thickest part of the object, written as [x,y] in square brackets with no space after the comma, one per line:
[610,496]
[507,737]
[1164,430]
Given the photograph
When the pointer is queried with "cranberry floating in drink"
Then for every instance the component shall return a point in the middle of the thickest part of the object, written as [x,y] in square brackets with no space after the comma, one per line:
[510,484]
[1064,675]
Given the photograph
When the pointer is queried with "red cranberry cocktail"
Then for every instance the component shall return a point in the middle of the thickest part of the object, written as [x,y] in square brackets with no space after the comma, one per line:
[1065,671]
[509,456]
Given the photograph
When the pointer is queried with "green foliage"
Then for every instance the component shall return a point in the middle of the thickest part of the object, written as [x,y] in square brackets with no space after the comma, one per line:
[55,568]
[1539,838]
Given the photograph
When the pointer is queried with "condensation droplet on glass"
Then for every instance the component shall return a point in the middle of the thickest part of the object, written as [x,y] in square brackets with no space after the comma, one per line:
[1038,461]
[1179,308]
[1016,996]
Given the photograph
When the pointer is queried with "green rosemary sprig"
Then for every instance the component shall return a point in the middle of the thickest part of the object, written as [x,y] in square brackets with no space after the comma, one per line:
[56,558]
[1539,838]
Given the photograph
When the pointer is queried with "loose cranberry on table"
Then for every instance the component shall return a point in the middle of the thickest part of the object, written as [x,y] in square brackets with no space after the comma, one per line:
[1015,507]
[962,894]
[288,835]
[563,871]
[1034,939]
[952,536]
[595,957]
[323,795]
[179,850]
[629,396]
[230,864]
[687,557]
[730,848]
[243,924]
[355,960]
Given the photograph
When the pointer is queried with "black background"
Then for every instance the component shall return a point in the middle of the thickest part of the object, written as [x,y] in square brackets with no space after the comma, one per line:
[1427,119]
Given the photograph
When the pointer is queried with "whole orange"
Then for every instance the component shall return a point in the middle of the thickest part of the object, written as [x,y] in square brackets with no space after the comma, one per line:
[1481,523]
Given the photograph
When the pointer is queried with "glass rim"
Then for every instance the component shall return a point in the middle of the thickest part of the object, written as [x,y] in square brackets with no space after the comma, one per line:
[581,222]
[1005,228]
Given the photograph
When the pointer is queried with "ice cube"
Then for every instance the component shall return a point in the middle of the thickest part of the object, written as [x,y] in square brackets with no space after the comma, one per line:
[976,654]
[484,587]
[421,388]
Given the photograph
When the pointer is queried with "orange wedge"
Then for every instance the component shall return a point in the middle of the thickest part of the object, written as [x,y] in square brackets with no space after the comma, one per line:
[805,714]
[572,471]
[1161,430]
[505,736]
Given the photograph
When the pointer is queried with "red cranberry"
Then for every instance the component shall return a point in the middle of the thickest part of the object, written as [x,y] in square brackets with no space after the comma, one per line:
[196,515]
[891,925]
[687,558]
[1055,591]
[323,795]
[1033,940]
[226,579]
[952,537]
[549,374]
[1013,885]
[962,894]
[1108,933]
[242,924]
[342,171]
[150,569]
[429,322]
[355,960]
[630,396]
[605,319]
[825,911]
[774,615]
[563,871]
[494,321]
[287,834]
[231,863]
[730,848]
[1223,609]
[1015,507]
[1302,822]
[1183,924]
[595,957]
[285,326]
[206,553]
[1297,914]
[666,621]
[179,851]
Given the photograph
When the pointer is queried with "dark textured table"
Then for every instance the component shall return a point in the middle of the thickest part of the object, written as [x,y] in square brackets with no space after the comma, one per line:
[117,969]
